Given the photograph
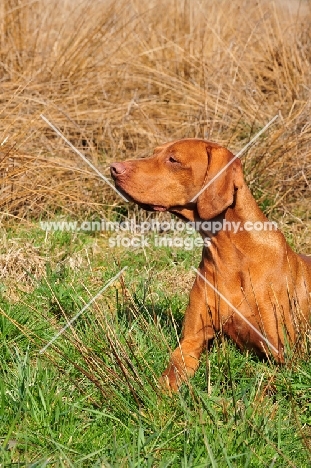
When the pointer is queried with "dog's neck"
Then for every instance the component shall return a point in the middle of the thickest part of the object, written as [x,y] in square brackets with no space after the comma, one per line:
[242,221]
[245,208]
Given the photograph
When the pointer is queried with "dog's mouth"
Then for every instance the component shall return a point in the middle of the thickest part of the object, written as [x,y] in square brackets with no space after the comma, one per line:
[176,210]
[148,207]
[144,206]
[158,208]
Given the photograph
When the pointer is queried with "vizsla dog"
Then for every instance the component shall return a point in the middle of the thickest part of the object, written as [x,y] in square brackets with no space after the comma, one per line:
[250,284]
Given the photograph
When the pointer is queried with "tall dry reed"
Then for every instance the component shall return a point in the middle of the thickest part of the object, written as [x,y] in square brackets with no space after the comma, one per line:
[119,77]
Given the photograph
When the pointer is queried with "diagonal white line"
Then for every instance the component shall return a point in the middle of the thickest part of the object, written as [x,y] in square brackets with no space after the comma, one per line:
[239,154]
[237,311]
[82,310]
[82,156]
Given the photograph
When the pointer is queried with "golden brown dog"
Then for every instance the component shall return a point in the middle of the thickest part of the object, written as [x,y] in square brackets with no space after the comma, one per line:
[250,284]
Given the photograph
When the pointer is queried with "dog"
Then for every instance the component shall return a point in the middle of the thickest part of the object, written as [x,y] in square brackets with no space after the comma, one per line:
[250,285]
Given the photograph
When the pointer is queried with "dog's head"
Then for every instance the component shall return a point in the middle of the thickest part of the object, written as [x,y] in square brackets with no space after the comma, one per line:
[172,177]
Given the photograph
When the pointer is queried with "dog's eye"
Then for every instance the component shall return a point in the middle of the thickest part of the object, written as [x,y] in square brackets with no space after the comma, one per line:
[173,160]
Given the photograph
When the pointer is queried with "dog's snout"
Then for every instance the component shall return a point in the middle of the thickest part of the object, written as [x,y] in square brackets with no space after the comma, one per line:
[117,169]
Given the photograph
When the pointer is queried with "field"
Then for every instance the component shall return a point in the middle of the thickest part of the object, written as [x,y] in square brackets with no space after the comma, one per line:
[118,78]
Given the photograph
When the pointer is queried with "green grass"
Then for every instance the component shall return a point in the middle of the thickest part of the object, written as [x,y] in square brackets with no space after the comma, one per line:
[207,69]
[92,398]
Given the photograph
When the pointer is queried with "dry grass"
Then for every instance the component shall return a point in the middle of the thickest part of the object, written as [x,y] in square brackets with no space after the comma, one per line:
[20,267]
[119,77]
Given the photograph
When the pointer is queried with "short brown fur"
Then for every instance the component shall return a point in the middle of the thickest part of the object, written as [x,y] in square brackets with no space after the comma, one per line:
[257,272]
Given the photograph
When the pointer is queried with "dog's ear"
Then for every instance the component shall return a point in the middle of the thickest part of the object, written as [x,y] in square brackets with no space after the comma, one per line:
[219,194]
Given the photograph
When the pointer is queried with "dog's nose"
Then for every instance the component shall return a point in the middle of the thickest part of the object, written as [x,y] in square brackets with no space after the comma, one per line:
[117,169]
